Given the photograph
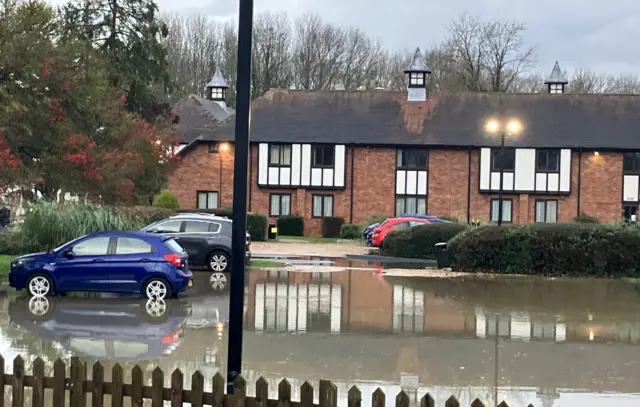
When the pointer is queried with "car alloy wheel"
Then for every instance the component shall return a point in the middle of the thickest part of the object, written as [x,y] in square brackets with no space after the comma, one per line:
[156,290]
[218,262]
[38,306]
[156,307]
[218,281]
[39,286]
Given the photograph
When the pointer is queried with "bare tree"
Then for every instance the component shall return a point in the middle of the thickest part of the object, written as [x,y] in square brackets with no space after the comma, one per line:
[466,43]
[587,81]
[506,56]
[271,53]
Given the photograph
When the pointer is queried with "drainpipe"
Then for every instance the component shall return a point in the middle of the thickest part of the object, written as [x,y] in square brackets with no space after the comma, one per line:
[353,149]
[469,188]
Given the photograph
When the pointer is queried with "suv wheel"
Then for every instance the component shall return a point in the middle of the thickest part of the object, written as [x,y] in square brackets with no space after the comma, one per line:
[219,262]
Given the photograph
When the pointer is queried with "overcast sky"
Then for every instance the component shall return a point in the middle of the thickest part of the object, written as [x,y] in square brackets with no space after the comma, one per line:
[601,35]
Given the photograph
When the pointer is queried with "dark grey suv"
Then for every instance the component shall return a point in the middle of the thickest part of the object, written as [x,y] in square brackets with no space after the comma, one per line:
[206,238]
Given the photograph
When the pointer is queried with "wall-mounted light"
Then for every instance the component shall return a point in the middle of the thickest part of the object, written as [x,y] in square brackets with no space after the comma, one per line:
[223,147]
[596,153]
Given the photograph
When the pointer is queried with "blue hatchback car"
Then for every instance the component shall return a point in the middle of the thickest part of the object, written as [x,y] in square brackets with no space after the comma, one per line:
[115,262]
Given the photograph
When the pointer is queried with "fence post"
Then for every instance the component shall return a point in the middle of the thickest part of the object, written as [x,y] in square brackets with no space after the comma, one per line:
[17,396]
[197,389]
[136,386]
[328,396]
[97,381]
[239,391]
[177,381]
[37,393]
[157,387]
[354,397]
[117,385]
[218,390]
[59,378]
[284,393]
[378,399]
[78,376]
[306,395]
[262,392]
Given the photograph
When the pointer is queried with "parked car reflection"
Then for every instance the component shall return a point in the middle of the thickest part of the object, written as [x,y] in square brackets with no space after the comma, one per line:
[105,328]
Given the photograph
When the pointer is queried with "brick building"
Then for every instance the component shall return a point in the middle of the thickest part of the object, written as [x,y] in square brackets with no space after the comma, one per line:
[355,154]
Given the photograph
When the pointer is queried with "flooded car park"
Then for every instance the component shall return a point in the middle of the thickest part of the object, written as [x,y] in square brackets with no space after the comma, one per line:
[528,339]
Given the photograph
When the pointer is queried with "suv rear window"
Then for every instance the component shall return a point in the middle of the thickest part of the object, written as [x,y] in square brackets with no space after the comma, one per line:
[173,246]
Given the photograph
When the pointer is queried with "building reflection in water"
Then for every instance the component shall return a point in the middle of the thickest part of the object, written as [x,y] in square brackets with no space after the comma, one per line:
[285,307]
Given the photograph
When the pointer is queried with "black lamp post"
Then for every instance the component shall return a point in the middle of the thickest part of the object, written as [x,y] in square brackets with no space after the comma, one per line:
[240,180]
[513,127]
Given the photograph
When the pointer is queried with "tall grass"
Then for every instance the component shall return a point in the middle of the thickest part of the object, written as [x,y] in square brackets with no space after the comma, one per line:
[48,225]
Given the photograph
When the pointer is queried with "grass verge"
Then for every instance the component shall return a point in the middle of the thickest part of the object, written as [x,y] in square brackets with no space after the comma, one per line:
[259,263]
[5,262]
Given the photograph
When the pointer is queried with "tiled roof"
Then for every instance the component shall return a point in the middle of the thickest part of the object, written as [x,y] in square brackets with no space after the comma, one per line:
[199,116]
[445,119]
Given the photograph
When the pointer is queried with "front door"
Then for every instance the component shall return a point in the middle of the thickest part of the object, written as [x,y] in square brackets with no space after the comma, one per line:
[132,260]
[86,268]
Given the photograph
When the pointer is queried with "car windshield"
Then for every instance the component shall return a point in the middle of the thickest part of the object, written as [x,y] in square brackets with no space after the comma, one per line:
[173,246]
[57,249]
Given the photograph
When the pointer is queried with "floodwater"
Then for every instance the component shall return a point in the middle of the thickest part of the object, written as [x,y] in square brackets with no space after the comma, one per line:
[549,342]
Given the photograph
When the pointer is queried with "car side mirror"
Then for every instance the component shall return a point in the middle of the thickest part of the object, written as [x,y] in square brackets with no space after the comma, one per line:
[68,254]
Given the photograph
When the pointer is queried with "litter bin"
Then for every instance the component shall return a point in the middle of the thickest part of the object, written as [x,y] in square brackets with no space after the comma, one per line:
[272,233]
[443,255]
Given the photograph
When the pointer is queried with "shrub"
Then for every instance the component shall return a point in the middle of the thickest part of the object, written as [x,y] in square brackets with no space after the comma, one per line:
[257,226]
[584,218]
[49,224]
[570,249]
[331,226]
[166,199]
[419,242]
[147,214]
[290,225]
[350,231]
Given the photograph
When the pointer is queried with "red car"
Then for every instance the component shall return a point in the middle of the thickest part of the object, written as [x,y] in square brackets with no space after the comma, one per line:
[393,224]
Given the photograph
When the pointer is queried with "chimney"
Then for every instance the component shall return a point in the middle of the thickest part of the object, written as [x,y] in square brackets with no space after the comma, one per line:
[556,81]
[417,72]
[216,89]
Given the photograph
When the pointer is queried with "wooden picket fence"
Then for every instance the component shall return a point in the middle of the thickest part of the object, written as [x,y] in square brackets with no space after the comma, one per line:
[78,387]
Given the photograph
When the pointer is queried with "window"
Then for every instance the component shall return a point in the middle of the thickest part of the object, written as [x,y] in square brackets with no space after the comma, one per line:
[207,200]
[217,93]
[412,205]
[322,205]
[631,163]
[322,156]
[194,226]
[505,161]
[173,246]
[98,246]
[412,159]
[506,210]
[546,211]
[170,226]
[556,88]
[416,79]
[129,245]
[280,155]
[548,161]
[280,205]
[630,212]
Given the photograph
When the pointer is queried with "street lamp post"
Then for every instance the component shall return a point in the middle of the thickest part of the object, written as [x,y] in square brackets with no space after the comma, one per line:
[240,181]
[512,127]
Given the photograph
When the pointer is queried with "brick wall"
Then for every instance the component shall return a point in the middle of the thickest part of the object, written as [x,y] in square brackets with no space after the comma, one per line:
[374,182]
[601,187]
[203,171]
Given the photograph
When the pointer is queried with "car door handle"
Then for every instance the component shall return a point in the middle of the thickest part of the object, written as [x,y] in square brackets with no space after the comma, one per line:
[145,260]
[98,261]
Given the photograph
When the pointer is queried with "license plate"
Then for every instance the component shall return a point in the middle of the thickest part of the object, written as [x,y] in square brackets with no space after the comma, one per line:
[190,283]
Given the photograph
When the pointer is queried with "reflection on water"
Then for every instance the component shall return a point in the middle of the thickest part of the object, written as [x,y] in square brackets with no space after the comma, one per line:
[546,342]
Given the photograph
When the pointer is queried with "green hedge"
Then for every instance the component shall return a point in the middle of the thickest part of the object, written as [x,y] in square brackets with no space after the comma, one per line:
[257,226]
[290,226]
[419,242]
[570,249]
[350,231]
[331,226]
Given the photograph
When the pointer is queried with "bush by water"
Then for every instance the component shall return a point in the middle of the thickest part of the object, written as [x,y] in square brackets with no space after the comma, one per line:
[570,249]
[419,242]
